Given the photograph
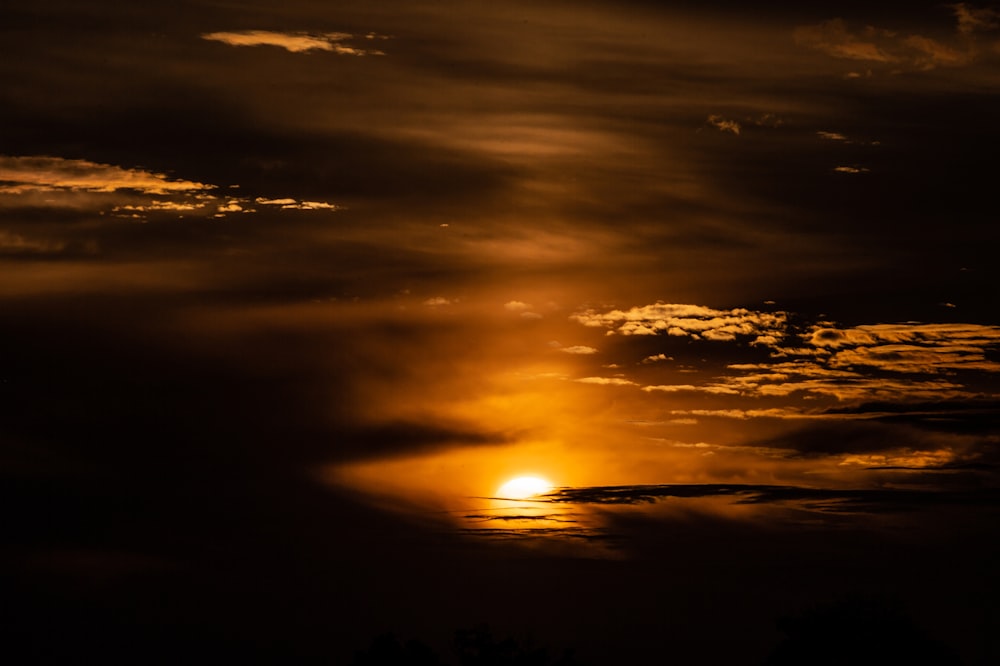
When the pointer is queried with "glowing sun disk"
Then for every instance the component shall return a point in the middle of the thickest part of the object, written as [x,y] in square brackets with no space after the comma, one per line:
[523,487]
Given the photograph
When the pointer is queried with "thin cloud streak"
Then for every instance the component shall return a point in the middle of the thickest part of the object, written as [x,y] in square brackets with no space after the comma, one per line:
[295,42]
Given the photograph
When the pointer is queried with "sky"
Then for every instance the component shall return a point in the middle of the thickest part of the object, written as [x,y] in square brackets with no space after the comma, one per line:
[290,290]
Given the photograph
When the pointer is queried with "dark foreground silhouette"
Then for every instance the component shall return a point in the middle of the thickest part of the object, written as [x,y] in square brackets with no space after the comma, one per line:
[472,647]
[851,633]
[857,633]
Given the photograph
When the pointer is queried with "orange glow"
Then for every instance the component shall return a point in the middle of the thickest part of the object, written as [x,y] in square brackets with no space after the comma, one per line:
[523,487]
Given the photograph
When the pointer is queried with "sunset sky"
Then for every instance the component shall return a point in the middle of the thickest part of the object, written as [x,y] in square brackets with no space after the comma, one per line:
[290,290]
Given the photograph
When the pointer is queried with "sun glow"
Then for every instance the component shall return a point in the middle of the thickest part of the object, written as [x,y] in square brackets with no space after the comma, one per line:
[524,487]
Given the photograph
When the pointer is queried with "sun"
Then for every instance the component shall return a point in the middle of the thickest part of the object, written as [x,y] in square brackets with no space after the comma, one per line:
[524,487]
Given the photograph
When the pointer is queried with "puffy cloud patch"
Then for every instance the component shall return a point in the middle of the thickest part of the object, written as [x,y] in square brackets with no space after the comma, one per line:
[695,321]
[516,306]
[656,358]
[822,360]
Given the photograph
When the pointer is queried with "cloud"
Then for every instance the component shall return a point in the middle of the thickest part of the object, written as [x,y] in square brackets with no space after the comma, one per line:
[579,349]
[831,136]
[744,414]
[671,388]
[931,53]
[437,301]
[296,42]
[695,321]
[19,175]
[823,500]
[524,310]
[915,359]
[856,389]
[516,306]
[13,243]
[405,438]
[910,347]
[975,19]
[606,381]
[885,47]
[293,204]
[849,365]
[833,38]
[724,125]
[656,358]
[851,169]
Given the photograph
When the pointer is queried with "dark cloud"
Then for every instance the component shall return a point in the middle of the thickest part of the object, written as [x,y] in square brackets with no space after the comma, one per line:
[851,437]
[814,499]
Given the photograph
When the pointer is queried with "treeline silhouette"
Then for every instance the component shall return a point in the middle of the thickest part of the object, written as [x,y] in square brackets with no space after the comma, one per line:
[856,632]
[471,647]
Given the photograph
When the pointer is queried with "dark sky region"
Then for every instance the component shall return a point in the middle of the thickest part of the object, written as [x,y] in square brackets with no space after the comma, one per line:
[289,290]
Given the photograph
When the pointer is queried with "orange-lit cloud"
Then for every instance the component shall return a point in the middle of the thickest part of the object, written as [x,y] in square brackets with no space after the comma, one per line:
[845,364]
[579,349]
[25,174]
[606,381]
[724,124]
[889,47]
[834,38]
[296,42]
[695,321]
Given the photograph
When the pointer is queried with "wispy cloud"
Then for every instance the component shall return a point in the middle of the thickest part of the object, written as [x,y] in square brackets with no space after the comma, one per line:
[724,124]
[13,243]
[881,46]
[606,381]
[294,204]
[822,500]
[975,19]
[130,193]
[579,349]
[831,136]
[296,42]
[19,175]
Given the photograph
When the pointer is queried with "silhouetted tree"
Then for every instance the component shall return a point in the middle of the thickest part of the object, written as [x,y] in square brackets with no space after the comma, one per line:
[857,633]
[477,647]
[386,650]
[473,647]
